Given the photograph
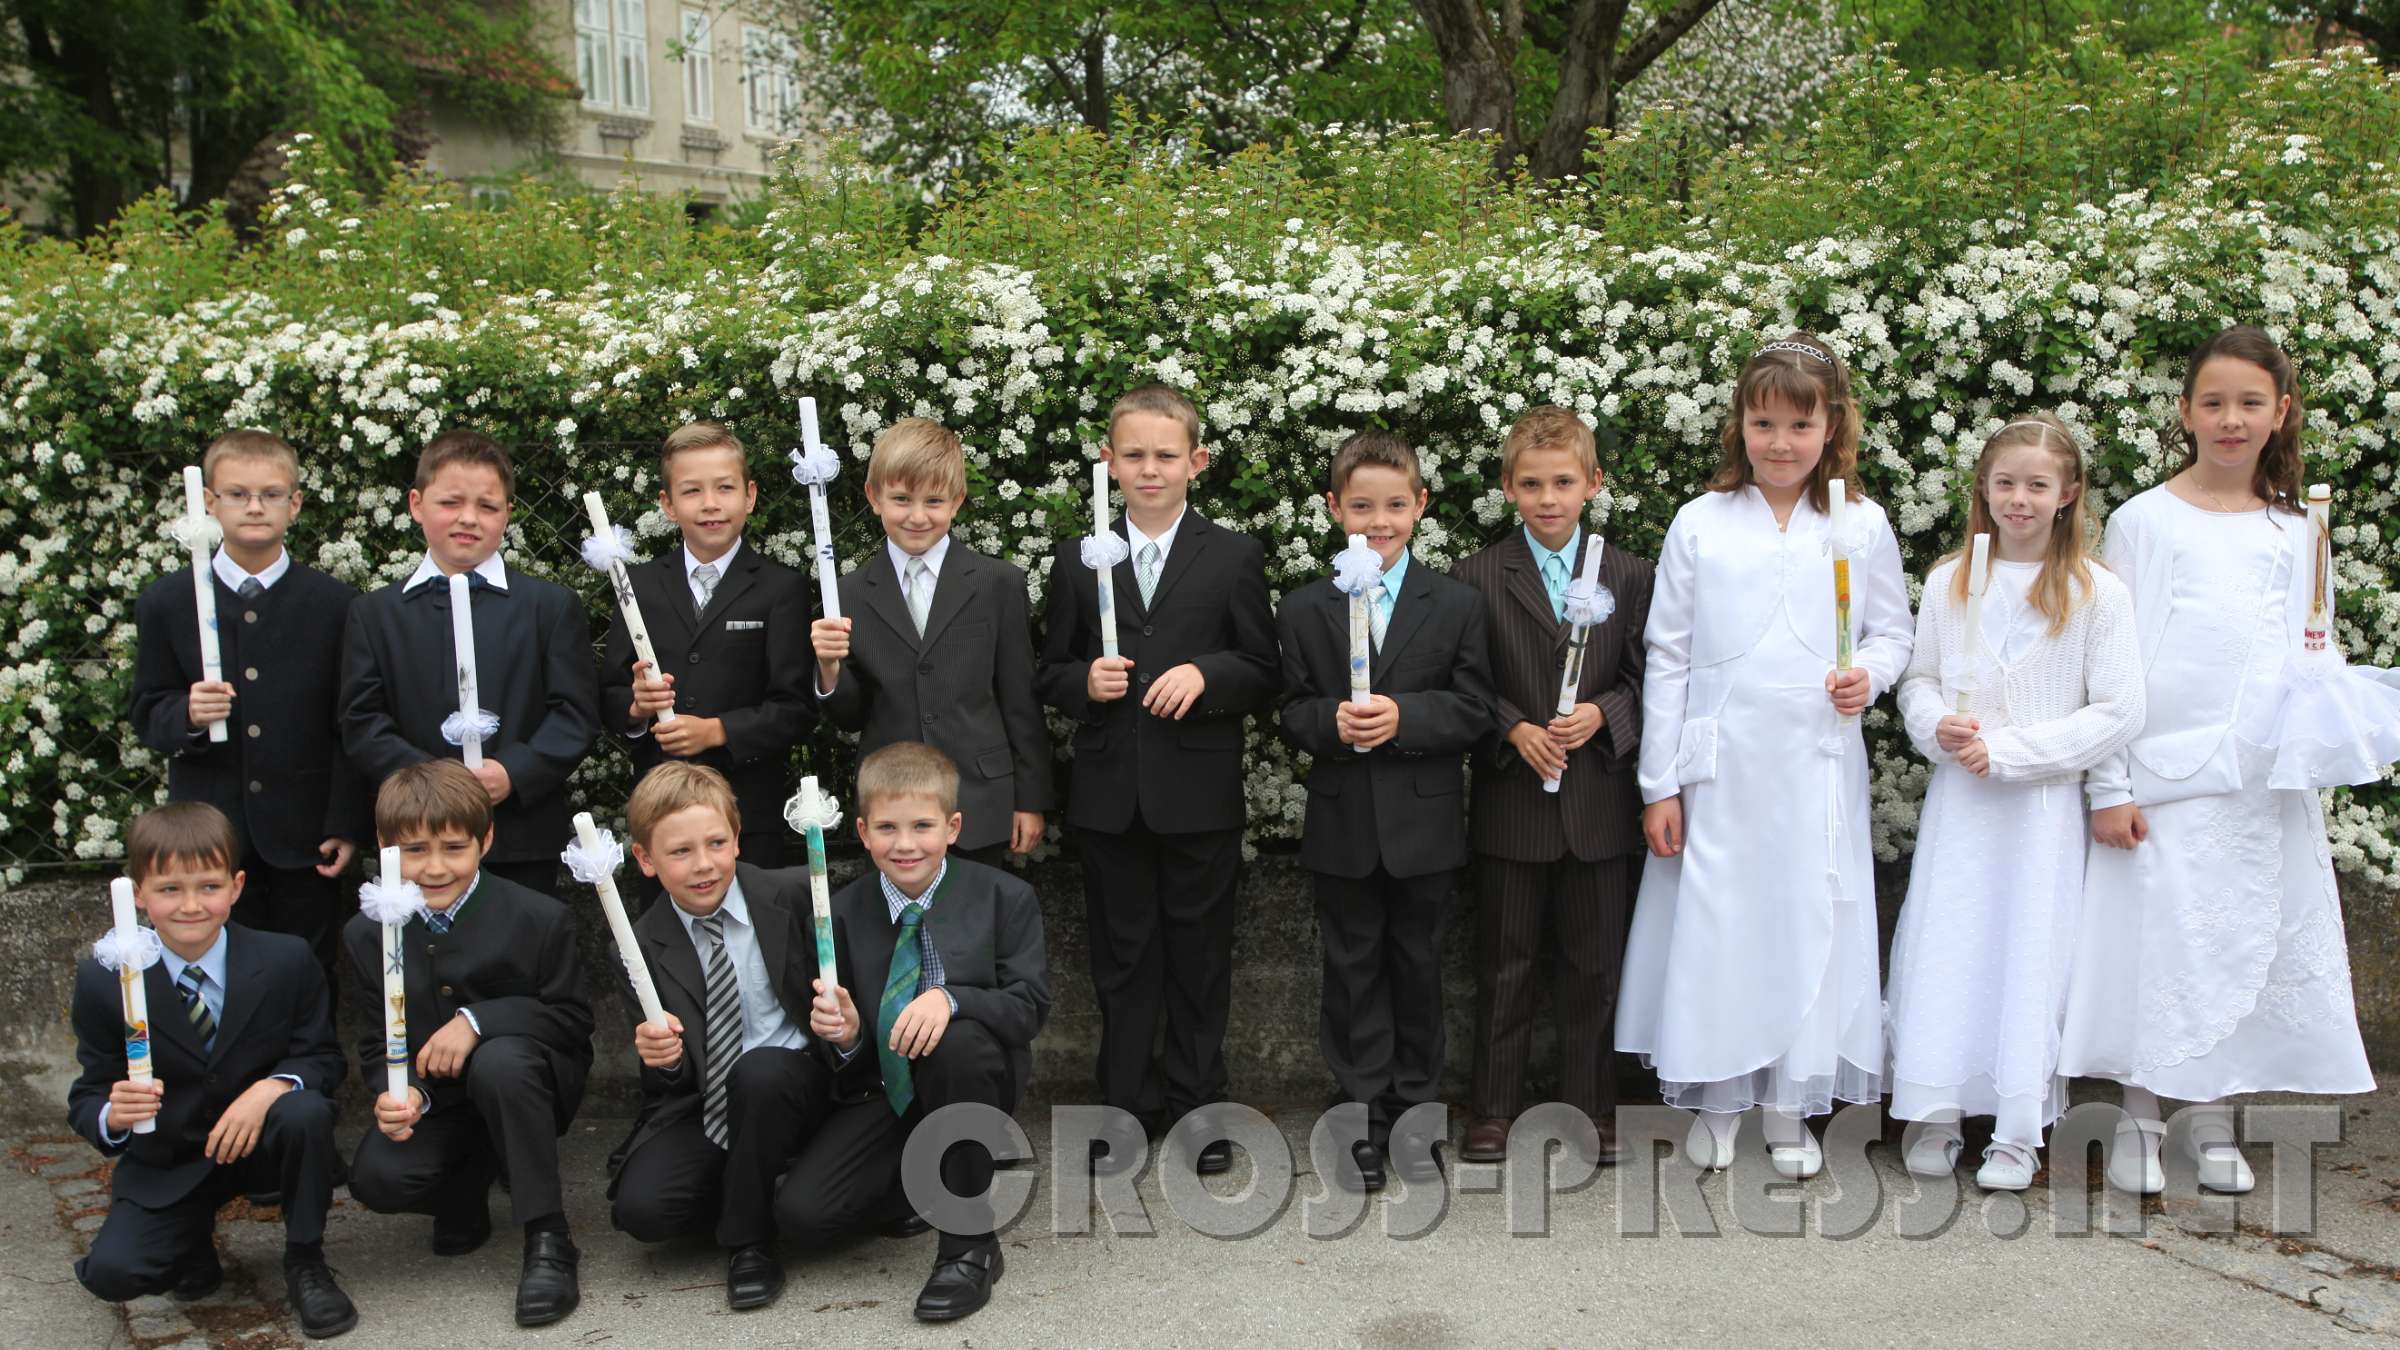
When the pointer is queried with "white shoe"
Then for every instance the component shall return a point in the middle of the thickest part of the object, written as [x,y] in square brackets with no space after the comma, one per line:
[1801,1160]
[2223,1169]
[2006,1167]
[2133,1165]
[1709,1150]
[1935,1153]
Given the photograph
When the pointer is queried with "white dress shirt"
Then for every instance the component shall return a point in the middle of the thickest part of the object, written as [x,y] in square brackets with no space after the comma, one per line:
[765,1024]
[233,575]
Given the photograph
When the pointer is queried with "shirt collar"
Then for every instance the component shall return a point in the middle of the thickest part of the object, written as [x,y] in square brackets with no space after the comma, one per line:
[211,962]
[1565,556]
[723,564]
[933,557]
[895,899]
[492,570]
[463,897]
[1165,539]
[1394,574]
[232,574]
[735,909]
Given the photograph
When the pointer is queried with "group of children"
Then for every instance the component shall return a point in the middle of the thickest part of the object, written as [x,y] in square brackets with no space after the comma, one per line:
[1713,718]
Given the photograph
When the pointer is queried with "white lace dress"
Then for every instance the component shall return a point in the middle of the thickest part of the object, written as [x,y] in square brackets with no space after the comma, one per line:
[1986,939]
[2212,959]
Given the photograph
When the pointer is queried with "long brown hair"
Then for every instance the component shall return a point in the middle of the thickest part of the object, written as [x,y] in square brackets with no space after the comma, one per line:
[2277,477]
[1813,380]
[2066,577]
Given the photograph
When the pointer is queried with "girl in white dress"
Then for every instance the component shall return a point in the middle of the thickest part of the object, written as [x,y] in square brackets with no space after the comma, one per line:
[2212,959]
[2052,686]
[1750,973]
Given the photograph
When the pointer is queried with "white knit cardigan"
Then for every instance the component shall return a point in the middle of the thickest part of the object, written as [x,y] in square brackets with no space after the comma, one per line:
[2068,701]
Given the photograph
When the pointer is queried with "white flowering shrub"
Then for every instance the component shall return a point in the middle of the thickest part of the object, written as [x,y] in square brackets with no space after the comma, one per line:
[1300,295]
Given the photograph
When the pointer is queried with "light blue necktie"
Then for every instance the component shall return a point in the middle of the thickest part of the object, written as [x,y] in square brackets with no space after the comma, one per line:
[1554,582]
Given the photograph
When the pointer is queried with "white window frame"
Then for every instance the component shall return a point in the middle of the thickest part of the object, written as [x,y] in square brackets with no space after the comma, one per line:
[633,55]
[595,53]
[698,31]
[612,54]
[770,82]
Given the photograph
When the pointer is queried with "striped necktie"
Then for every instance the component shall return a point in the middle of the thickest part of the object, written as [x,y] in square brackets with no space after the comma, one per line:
[705,578]
[908,967]
[204,1022]
[1145,571]
[724,1028]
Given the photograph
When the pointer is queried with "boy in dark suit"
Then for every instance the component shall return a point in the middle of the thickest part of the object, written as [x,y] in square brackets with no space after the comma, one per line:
[533,656]
[281,777]
[499,1039]
[730,626]
[1385,833]
[1156,791]
[953,989]
[934,645]
[739,1085]
[244,1059]
[1569,858]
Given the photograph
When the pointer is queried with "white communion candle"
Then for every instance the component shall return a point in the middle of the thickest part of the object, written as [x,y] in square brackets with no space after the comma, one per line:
[820,900]
[133,995]
[627,605]
[395,989]
[1361,648]
[820,520]
[1104,577]
[1979,580]
[204,586]
[462,640]
[2318,631]
[1570,678]
[619,926]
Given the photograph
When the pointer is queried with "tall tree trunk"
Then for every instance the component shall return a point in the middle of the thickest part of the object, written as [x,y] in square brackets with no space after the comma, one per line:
[1095,78]
[1479,91]
[1591,73]
[79,69]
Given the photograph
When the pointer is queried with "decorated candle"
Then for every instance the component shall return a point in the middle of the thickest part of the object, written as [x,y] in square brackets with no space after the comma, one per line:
[129,939]
[594,861]
[1587,603]
[813,466]
[196,534]
[1103,571]
[610,550]
[2319,629]
[462,644]
[1979,580]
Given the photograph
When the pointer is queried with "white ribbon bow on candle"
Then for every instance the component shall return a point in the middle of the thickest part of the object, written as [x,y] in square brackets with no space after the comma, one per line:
[1104,551]
[197,531]
[454,727]
[827,813]
[390,902]
[1588,602]
[1857,534]
[127,948]
[590,865]
[815,467]
[1358,570]
[600,553]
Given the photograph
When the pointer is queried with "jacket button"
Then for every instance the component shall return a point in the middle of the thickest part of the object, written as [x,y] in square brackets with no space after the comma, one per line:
[926,669]
[249,672]
[929,719]
[249,616]
[254,731]
[445,991]
[692,660]
[1147,630]
[256,786]
[212,1080]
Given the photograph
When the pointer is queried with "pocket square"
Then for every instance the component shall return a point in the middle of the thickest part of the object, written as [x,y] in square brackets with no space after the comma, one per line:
[738,625]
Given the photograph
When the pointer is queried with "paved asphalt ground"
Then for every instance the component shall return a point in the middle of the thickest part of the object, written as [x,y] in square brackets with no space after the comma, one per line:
[1468,1282]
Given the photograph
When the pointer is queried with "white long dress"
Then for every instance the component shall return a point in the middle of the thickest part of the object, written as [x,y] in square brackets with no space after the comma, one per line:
[1750,972]
[2212,959]
[1986,939]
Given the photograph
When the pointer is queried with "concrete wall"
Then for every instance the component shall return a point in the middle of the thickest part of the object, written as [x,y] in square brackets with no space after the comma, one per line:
[1272,1050]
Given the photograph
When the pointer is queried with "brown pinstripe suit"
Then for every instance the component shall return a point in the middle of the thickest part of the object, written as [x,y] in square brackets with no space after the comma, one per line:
[1576,854]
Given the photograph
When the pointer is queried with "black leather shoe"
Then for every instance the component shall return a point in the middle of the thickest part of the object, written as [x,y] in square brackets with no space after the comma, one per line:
[753,1277]
[960,1285]
[1370,1165]
[1215,1156]
[1114,1160]
[323,1309]
[911,1226]
[546,1291]
[204,1276]
[265,1199]
[463,1232]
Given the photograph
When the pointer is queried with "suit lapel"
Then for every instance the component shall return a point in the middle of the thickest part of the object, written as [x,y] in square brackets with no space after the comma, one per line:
[168,1021]
[671,954]
[882,586]
[953,587]
[1409,612]
[243,977]
[668,605]
[1127,584]
[742,576]
[1525,586]
[1191,539]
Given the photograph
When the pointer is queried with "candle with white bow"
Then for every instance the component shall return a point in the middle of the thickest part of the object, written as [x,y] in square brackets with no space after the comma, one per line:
[813,466]
[199,532]
[1837,501]
[593,859]
[1103,549]
[610,549]
[390,901]
[1358,573]
[471,725]
[2317,634]
[1979,581]
[130,949]
[812,811]
[1587,605]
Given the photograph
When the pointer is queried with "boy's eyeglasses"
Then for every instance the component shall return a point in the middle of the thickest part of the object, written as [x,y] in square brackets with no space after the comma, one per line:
[242,497]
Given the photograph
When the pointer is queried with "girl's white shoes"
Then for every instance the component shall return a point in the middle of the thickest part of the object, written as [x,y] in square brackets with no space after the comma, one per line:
[2006,1167]
[2133,1165]
[1800,1160]
[1710,1144]
[1935,1152]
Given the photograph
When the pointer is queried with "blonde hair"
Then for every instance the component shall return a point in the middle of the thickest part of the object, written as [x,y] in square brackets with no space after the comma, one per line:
[431,797]
[2066,577]
[907,769]
[699,436]
[921,453]
[1802,371]
[187,832]
[1157,400]
[1549,427]
[678,785]
[1382,448]
[250,443]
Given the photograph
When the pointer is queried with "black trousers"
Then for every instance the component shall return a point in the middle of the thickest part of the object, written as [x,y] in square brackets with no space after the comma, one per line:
[142,1251]
[1380,1018]
[781,1121]
[1577,912]
[969,1065]
[1159,910]
[297,901]
[760,848]
[506,1120]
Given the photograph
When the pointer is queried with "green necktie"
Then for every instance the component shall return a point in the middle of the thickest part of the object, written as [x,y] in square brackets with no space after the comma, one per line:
[908,965]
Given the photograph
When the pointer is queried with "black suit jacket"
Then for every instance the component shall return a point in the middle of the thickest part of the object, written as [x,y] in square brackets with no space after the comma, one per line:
[965,688]
[533,667]
[787,942]
[280,776]
[1597,811]
[987,925]
[747,661]
[276,1022]
[1398,806]
[1211,610]
[510,957]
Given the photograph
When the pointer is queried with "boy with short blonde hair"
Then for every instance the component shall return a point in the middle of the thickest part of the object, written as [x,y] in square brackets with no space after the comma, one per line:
[934,644]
